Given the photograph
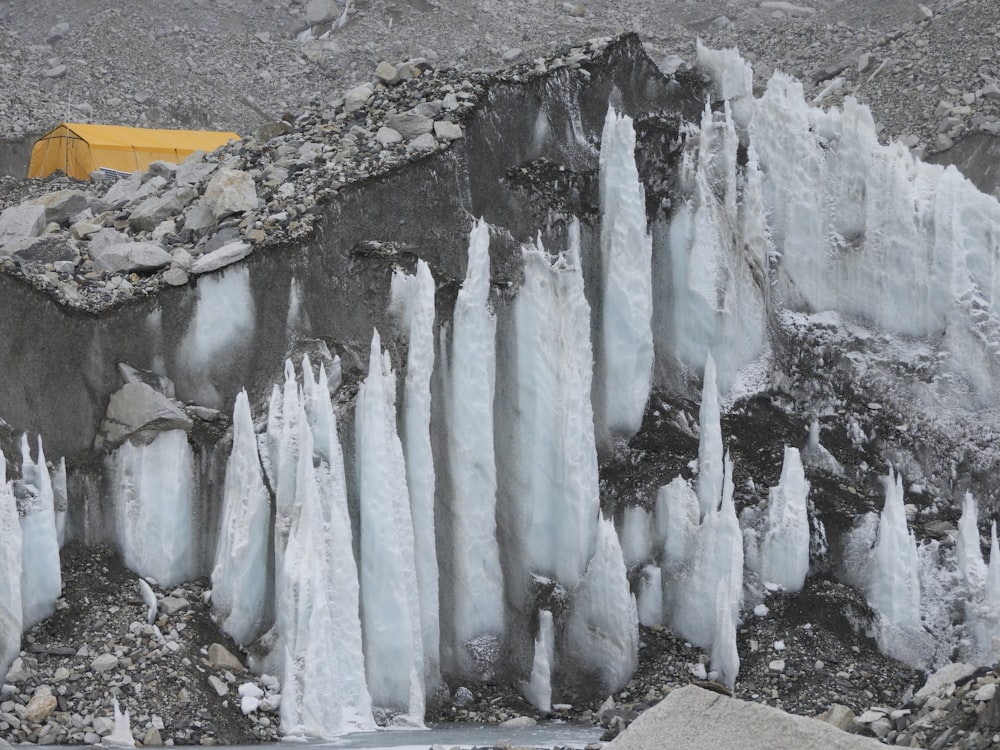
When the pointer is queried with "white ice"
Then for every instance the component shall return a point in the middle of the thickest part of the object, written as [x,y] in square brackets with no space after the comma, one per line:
[413,303]
[784,552]
[221,328]
[473,586]
[41,578]
[11,618]
[390,598]
[635,535]
[710,455]
[894,588]
[555,495]
[538,690]
[967,551]
[649,597]
[623,349]
[725,659]
[324,690]
[602,629]
[121,734]
[676,519]
[240,590]
[152,488]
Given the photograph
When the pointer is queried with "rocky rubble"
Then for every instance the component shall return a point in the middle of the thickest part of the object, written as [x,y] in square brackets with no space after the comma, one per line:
[164,661]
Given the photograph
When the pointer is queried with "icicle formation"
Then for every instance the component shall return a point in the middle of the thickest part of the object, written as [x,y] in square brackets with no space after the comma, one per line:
[240,591]
[624,350]
[394,656]
[10,564]
[41,579]
[538,690]
[472,583]
[602,630]
[555,495]
[894,588]
[784,552]
[413,303]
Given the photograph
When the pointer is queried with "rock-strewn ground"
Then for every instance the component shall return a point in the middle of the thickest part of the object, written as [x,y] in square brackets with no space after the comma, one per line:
[929,71]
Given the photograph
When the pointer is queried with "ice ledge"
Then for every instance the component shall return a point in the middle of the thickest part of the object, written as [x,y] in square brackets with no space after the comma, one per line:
[698,719]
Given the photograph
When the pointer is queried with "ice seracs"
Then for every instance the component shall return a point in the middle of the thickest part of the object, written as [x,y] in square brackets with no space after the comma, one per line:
[11,618]
[413,304]
[784,548]
[241,593]
[472,588]
[41,578]
[623,350]
[538,690]
[390,596]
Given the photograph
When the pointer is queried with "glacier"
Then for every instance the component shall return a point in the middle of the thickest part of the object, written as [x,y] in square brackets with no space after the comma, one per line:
[457,524]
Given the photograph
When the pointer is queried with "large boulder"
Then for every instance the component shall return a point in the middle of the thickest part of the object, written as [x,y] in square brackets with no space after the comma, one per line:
[140,412]
[225,255]
[49,249]
[698,719]
[62,205]
[18,222]
[194,170]
[409,124]
[130,256]
[231,191]
[318,11]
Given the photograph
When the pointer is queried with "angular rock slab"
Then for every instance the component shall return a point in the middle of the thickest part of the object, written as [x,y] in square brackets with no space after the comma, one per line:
[137,407]
[229,253]
[130,256]
[698,719]
[18,222]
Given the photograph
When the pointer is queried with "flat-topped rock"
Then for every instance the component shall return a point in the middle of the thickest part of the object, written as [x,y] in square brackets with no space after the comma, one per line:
[697,719]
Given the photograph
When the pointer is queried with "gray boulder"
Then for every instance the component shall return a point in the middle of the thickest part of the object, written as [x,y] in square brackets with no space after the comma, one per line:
[49,249]
[194,170]
[124,190]
[409,124]
[106,237]
[199,219]
[130,256]
[156,208]
[224,256]
[318,11]
[138,411]
[63,205]
[447,131]
[231,191]
[698,719]
[18,222]
[161,383]
[357,97]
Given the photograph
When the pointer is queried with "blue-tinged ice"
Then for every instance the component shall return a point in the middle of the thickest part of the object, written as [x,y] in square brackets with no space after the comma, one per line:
[152,486]
[472,584]
[41,579]
[241,594]
[11,617]
[413,304]
[710,455]
[390,597]
[624,338]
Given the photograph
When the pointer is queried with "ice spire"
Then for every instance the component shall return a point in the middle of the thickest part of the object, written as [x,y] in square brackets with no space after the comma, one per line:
[894,588]
[676,518]
[324,692]
[725,659]
[240,590]
[10,564]
[390,601]
[624,341]
[413,303]
[636,535]
[538,690]
[710,470]
[121,734]
[993,572]
[41,579]
[784,554]
[555,490]
[970,557]
[602,630]
[649,599]
[472,581]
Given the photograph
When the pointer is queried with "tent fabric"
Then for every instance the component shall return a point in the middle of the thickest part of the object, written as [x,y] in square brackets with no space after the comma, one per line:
[79,149]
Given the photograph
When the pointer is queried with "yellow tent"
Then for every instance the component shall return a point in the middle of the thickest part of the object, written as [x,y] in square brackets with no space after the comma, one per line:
[79,149]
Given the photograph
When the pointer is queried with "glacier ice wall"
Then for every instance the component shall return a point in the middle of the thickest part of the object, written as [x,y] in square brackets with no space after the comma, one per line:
[413,301]
[41,578]
[623,348]
[390,596]
[241,594]
[11,615]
